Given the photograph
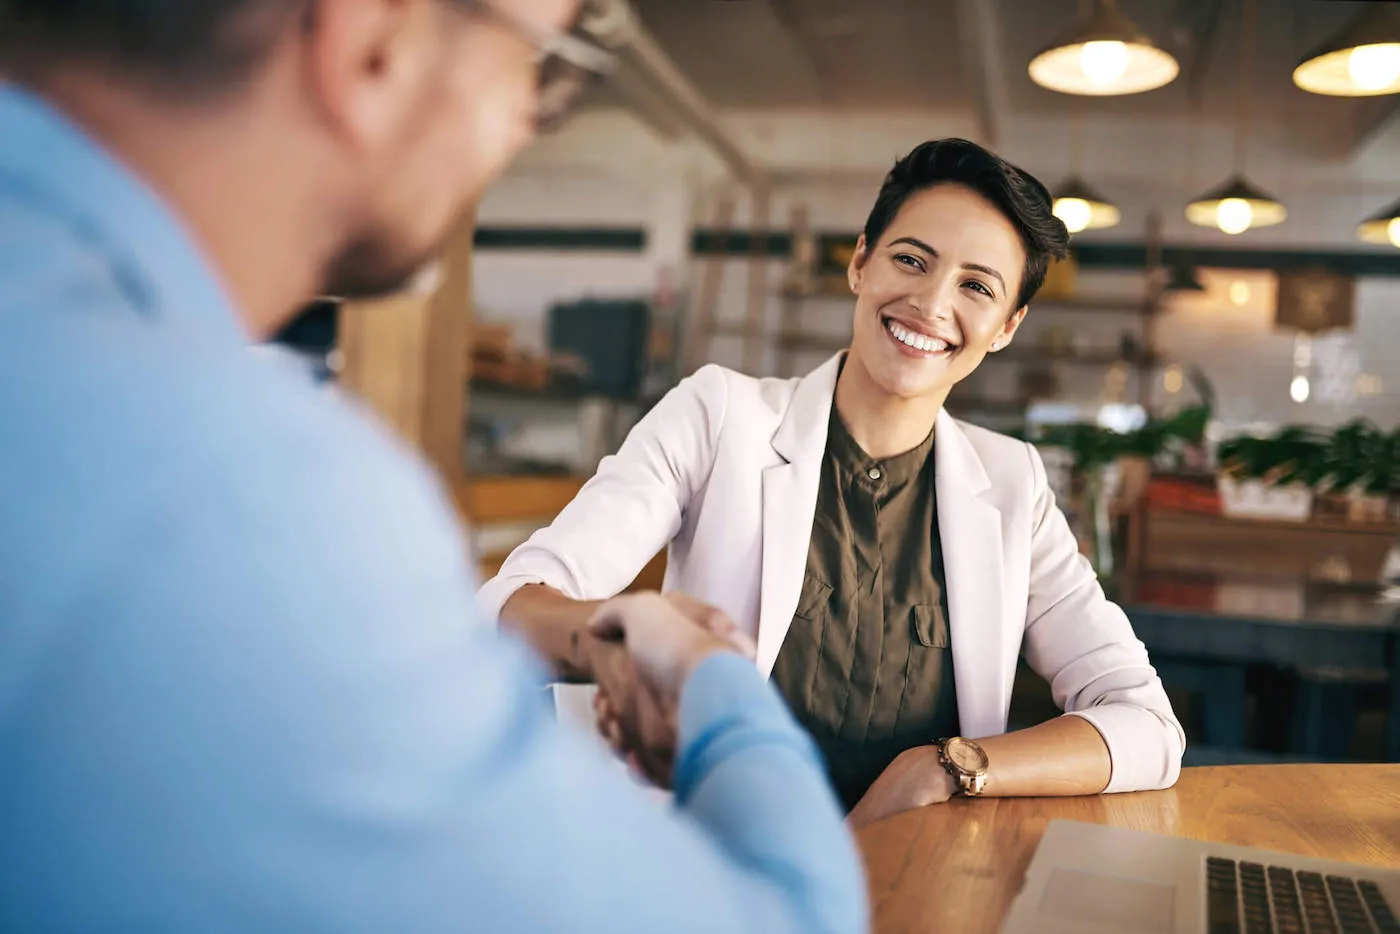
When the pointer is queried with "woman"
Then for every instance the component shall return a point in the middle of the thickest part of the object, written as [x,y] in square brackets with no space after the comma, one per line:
[890,562]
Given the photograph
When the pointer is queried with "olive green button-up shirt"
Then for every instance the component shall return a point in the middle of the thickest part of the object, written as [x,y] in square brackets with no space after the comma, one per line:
[866,666]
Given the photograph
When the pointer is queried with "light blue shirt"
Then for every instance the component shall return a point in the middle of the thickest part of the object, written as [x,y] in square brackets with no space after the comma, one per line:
[240,684]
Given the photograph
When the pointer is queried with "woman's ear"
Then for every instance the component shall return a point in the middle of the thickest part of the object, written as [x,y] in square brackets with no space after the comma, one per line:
[855,270]
[1008,330]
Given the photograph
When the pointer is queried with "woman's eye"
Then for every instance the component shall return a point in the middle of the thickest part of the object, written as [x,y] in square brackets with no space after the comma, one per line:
[974,284]
[906,259]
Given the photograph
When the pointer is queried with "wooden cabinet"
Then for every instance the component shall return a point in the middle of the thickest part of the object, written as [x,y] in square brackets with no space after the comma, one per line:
[502,512]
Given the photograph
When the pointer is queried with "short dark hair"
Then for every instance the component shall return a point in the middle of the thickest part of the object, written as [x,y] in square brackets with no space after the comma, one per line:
[1017,194]
[189,45]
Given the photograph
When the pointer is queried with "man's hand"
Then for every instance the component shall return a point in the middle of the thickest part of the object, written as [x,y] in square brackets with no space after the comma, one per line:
[914,779]
[637,693]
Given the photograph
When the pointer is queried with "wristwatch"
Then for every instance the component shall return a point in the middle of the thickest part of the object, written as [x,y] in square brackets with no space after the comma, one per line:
[967,762]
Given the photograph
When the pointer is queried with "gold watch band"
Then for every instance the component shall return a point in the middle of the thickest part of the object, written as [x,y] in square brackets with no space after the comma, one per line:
[966,762]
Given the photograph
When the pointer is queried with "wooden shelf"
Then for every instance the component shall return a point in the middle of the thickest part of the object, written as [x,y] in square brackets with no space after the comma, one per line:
[1095,304]
[1323,524]
[485,500]
[547,394]
[1092,358]
[791,340]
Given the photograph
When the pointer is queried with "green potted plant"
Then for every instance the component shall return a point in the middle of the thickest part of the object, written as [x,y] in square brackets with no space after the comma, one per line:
[1272,477]
[1362,469]
[1099,457]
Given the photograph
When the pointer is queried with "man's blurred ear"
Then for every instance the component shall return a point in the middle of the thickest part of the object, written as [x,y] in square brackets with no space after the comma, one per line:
[366,63]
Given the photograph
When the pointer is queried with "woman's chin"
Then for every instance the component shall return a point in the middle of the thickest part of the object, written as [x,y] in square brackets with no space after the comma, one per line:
[911,385]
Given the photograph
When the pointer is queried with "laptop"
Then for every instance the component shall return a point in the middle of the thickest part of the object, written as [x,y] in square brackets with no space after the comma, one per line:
[1092,879]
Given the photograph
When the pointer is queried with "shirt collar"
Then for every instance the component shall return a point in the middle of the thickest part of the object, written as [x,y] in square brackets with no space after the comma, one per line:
[894,471]
[47,158]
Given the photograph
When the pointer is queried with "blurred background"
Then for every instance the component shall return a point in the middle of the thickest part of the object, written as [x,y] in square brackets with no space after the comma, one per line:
[1213,377]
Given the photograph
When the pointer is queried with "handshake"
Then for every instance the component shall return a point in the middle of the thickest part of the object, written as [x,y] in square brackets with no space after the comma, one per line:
[642,649]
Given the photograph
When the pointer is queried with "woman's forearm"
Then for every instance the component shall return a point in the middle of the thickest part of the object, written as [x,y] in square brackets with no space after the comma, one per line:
[1061,757]
[555,625]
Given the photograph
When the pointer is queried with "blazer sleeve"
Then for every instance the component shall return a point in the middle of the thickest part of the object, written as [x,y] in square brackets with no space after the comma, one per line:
[1084,645]
[631,508]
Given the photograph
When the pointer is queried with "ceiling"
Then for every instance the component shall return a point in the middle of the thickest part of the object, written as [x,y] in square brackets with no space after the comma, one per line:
[892,55]
[803,53]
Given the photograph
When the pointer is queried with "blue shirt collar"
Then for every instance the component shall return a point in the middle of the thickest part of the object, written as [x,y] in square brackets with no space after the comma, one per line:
[49,159]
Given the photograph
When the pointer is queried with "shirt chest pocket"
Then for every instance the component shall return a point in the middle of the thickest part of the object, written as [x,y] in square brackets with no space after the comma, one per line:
[813,602]
[930,625]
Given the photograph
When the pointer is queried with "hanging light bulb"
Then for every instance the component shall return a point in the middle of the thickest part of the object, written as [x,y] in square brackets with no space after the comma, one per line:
[1235,207]
[1082,208]
[1103,61]
[1299,389]
[1360,61]
[1373,68]
[1382,227]
[1234,215]
[1074,212]
[1104,55]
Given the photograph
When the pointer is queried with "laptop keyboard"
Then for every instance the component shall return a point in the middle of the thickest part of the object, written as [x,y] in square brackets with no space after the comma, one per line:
[1249,898]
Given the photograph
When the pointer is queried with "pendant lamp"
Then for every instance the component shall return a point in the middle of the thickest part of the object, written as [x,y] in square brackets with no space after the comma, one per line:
[1382,227]
[1183,279]
[1363,60]
[1082,208]
[1237,205]
[1105,55]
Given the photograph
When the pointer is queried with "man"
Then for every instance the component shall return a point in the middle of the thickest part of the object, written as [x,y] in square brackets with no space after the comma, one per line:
[239,688]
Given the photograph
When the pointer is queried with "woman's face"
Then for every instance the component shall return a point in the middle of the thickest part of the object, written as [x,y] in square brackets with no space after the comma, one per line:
[936,293]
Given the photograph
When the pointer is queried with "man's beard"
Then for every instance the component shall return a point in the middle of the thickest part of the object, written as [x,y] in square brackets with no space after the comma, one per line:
[372,266]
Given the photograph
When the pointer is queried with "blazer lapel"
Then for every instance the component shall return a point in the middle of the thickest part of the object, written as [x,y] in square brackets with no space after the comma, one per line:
[789,505]
[970,530]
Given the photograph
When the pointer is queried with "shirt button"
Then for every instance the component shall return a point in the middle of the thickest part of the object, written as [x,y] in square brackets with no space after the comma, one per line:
[874,473]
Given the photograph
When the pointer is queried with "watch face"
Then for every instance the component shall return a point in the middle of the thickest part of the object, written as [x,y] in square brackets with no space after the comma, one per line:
[967,756]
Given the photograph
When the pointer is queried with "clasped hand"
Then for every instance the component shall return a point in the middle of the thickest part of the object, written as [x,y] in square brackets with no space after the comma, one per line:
[643,649]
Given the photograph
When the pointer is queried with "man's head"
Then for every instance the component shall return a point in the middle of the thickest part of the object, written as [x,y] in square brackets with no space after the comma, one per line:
[957,244]
[393,115]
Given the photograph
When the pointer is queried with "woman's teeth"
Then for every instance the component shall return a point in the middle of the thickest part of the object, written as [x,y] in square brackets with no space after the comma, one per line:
[914,339]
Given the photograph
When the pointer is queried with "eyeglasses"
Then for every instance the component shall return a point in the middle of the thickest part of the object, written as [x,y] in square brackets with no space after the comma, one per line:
[565,63]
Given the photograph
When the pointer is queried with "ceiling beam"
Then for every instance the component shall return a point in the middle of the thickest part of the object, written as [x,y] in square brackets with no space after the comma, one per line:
[792,20]
[979,35]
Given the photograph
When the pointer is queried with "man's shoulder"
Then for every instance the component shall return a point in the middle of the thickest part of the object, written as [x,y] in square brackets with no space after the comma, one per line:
[115,427]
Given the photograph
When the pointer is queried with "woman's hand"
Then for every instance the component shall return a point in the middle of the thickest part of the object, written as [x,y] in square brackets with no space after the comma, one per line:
[639,682]
[915,779]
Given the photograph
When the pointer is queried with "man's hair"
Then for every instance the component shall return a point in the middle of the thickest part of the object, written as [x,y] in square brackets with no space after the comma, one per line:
[190,45]
[1018,195]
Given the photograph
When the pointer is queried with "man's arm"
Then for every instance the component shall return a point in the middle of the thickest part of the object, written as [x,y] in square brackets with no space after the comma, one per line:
[268,716]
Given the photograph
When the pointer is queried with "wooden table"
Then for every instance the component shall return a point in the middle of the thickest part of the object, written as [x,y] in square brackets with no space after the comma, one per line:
[956,867]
